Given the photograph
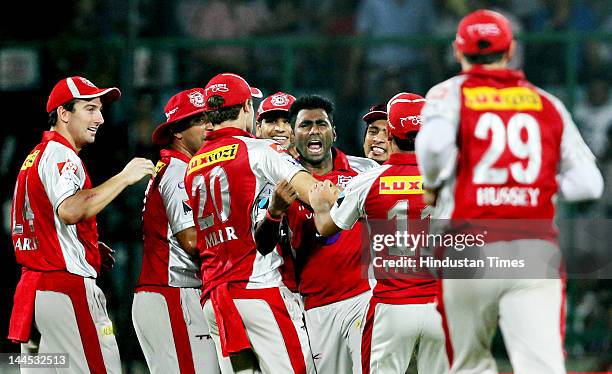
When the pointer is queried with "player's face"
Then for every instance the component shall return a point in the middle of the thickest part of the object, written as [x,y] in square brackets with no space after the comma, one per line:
[276,126]
[83,122]
[314,135]
[194,136]
[376,143]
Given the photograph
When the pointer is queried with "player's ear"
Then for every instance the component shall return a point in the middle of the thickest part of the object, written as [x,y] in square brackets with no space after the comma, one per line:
[457,53]
[247,106]
[334,132]
[62,114]
[511,50]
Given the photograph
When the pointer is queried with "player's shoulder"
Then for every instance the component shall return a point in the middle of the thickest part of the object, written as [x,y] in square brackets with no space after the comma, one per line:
[445,89]
[361,164]
[365,179]
[172,167]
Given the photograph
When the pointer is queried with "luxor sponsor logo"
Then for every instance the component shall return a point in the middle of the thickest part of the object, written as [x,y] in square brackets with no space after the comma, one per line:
[225,153]
[401,185]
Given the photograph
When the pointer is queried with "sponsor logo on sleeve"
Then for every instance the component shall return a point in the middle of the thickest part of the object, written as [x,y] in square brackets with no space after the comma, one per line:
[511,98]
[401,185]
[67,167]
[343,180]
[278,148]
[225,153]
[160,165]
[186,207]
[29,161]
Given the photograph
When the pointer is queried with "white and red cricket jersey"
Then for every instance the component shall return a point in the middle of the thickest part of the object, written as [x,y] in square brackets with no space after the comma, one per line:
[166,213]
[384,196]
[512,140]
[329,268]
[51,173]
[224,180]
[283,248]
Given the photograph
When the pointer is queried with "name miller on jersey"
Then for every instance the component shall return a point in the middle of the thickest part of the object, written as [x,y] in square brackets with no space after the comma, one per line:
[512,196]
[220,236]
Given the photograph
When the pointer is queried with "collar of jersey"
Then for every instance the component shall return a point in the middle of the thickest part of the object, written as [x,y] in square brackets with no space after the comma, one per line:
[401,159]
[57,137]
[165,152]
[228,131]
[502,74]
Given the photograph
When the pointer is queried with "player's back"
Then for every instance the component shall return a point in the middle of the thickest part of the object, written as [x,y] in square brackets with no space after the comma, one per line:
[394,204]
[224,179]
[509,142]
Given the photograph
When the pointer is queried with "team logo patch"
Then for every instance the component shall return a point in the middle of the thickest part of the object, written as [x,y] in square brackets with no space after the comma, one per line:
[225,153]
[511,98]
[279,100]
[29,161]
[196,98]
[67,167]
[401,185]
[181,185]
[484,29]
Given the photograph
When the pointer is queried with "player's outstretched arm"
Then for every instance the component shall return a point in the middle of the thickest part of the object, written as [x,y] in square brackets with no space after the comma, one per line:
[87,203]
[267,231]
[322,196]
[188,240]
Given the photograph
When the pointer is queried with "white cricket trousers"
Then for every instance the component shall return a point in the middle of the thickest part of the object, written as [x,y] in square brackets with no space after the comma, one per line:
[173,332]
[275,328]
[335,332]
[392,331]
[530,313]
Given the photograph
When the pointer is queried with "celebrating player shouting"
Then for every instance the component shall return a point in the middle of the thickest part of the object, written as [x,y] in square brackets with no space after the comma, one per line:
[402,313]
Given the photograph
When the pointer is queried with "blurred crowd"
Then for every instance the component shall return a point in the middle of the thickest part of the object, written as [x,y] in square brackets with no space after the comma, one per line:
[149,49]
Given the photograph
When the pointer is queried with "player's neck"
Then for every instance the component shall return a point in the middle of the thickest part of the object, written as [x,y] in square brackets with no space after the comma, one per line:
[321,168]
[180,147]
[63,131]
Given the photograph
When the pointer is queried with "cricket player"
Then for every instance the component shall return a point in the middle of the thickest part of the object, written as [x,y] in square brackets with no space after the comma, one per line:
[166,311]
[402,314]
[253,318]
[517,148]
[335,291]
[55,236]
[272,231]
[376,145]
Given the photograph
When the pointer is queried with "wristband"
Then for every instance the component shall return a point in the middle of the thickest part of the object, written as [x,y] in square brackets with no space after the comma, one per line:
[273,219]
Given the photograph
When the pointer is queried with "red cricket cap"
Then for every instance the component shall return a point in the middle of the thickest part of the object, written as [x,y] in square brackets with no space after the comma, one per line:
[483,32]
[180,106]
[280,101]
[232,87]
[78,88]
[404,111]
[376,112]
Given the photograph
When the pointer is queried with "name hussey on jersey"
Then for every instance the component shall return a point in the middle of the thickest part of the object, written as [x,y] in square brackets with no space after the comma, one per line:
[507,196]
[220,236]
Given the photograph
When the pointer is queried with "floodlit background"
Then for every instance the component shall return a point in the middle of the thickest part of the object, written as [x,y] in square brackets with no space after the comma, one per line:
[357,53]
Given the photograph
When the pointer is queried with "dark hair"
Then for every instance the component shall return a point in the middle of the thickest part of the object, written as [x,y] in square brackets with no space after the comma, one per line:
[310,102]
[221,114]
[489,58]
[69,106]
[406,145]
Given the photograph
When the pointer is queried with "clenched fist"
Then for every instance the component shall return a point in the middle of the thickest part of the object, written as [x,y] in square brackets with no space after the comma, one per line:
[322,196]
[137,169]
[282,197]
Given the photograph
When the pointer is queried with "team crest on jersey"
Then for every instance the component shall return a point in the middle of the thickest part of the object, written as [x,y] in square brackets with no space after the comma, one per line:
[279,100]
[186,207]
[29,161]
[225,153]
[401,185]
[67,167]
[196,98]
[343,180]
[510,98]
